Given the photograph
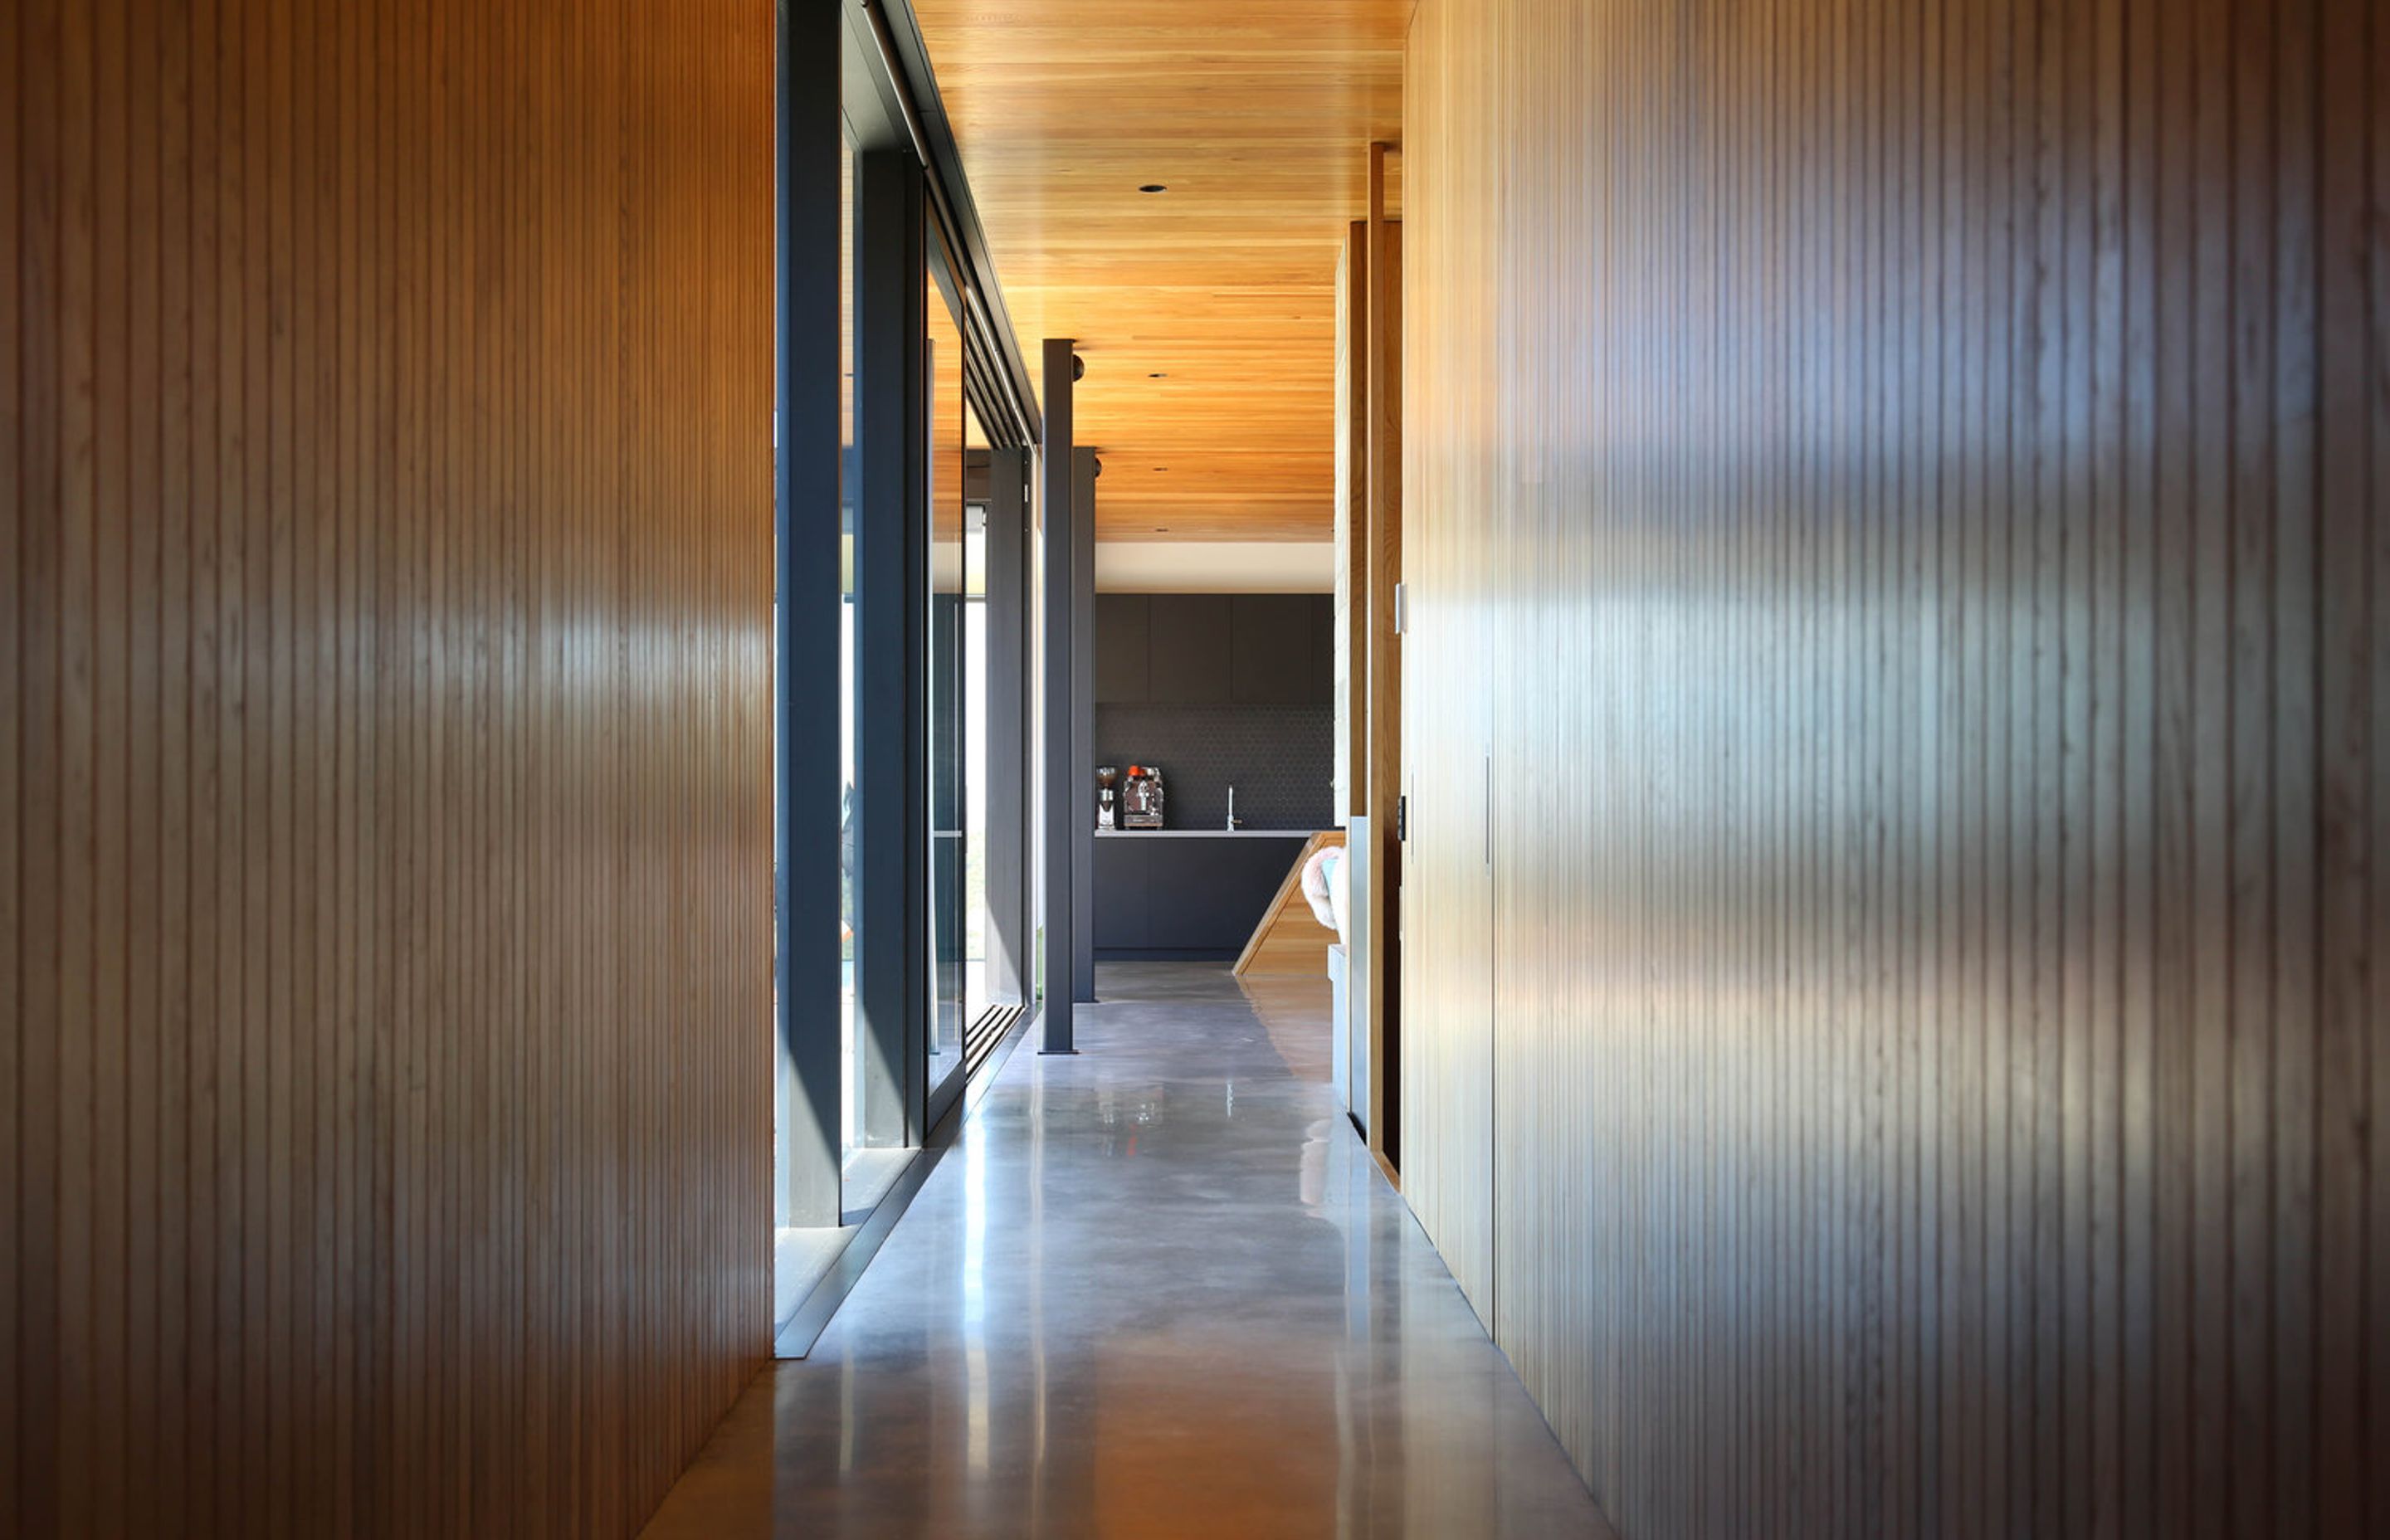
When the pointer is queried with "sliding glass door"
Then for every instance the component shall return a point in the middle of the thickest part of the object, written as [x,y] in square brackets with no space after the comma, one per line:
[881,665]
[948,771]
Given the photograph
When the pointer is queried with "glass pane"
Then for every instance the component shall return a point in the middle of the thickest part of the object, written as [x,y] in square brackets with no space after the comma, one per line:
[786,1089]
[1034,833]
[976,997]
[948,793]
[849,488]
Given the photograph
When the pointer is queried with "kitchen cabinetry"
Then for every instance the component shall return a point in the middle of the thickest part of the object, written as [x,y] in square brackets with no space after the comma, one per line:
[1123,628]
[1188,894]
[1274,656]
[1171,650]
[1187,649]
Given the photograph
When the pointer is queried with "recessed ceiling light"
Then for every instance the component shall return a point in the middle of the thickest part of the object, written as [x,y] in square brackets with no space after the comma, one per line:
[1152,187]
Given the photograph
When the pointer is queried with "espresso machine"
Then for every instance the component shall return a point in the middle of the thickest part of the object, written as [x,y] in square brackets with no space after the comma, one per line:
[1107,790]
[1142,797]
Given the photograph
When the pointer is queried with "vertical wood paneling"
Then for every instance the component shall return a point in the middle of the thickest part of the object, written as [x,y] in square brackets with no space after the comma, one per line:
[384,894]
[1381,368]
[1897,493]
[1353,521]
[1447,1085]
[13,1170]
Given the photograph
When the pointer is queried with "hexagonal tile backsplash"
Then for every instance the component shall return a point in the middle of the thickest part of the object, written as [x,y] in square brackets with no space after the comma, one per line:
[1281,760]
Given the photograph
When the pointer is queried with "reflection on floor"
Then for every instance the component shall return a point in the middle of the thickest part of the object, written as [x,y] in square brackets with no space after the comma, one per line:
[1294,1013]
[1157,1289]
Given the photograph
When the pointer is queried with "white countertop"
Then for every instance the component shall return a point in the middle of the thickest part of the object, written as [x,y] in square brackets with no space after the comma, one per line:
[1204,834]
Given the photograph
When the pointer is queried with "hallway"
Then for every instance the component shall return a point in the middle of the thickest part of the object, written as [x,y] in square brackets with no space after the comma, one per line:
[1155,1288]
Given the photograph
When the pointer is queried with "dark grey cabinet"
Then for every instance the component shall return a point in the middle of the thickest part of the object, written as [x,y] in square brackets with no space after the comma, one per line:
[1123,890]
[1188,658]
[1162,896]
[1273,642]
[1175,649]
[1124,644]
[1323,645]
[1211,898]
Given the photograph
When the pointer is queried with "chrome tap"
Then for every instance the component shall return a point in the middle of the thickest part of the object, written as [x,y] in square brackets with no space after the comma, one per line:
[1234,821]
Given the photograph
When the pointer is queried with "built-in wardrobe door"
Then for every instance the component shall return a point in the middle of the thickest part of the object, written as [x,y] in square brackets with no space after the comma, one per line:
[1445,901]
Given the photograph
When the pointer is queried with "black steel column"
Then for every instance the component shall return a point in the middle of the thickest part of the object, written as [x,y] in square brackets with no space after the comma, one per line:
[1084,471]
[1062,771]
[892,584]
[808,147]
[1007,722]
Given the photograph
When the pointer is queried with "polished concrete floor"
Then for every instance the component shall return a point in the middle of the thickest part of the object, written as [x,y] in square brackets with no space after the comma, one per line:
[1157,1287]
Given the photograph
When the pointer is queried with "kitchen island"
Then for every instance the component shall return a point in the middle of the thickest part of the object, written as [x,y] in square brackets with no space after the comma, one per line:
[1188,894]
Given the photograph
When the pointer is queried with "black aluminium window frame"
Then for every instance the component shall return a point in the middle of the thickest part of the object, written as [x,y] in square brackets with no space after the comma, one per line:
[892,565]
[853,74]
[807,594]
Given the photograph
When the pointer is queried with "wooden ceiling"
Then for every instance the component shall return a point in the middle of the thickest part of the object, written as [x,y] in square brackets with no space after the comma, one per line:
[1257,115]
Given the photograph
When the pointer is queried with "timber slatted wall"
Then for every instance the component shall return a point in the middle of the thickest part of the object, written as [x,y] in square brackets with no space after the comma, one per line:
[385,954]
[1911,480]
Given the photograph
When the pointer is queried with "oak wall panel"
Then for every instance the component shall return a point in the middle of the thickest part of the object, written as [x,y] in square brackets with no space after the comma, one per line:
[1896,492]
[385,864]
